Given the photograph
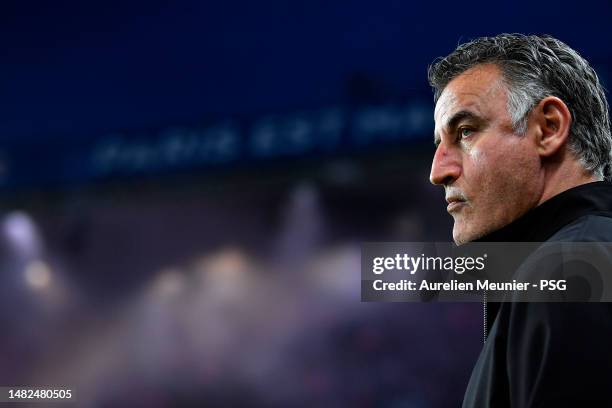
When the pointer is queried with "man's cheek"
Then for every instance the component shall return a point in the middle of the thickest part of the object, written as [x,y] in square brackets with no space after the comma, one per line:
[475,167]
[475,154]
[480,161]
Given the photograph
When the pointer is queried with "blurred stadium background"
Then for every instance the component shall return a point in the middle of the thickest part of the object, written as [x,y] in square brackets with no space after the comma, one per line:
[185,187]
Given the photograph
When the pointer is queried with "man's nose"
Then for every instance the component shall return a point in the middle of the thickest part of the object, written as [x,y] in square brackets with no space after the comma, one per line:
[446,166]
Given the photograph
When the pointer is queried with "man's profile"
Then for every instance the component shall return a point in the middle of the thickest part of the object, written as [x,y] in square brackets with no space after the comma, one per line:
[523,151]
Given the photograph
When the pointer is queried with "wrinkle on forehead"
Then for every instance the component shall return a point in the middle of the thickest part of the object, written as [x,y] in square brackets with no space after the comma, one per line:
[473,90]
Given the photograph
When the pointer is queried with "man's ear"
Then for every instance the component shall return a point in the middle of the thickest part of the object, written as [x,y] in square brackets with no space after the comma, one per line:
[553,120]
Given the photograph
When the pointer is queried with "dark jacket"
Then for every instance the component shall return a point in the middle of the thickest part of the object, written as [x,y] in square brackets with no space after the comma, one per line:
[549,354]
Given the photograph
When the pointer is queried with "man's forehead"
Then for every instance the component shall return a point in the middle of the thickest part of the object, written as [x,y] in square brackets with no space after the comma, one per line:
[473,90]
[448,107]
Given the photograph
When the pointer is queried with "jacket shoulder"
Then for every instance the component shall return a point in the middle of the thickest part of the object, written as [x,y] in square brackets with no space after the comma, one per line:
[589,228]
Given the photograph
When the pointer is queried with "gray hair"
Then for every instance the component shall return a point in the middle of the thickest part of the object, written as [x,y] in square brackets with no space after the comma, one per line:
[533,68]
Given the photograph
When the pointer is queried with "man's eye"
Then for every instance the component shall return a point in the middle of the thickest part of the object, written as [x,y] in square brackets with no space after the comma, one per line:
[465,132]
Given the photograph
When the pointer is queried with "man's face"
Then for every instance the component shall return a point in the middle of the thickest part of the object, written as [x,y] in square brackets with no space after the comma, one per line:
[489,173]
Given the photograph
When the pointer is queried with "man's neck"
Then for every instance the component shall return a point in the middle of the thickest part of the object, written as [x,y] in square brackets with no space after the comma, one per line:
[564,178]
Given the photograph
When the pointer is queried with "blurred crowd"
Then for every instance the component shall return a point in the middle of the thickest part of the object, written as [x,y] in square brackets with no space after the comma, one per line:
[245,295]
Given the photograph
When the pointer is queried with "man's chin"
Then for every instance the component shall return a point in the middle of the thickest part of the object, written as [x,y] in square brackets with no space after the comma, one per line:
[463,236]
[459,240]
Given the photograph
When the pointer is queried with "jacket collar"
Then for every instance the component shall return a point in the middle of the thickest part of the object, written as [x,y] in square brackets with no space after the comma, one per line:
[543,221]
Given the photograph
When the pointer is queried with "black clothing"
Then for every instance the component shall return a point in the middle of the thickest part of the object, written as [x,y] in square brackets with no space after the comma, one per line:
[549,354]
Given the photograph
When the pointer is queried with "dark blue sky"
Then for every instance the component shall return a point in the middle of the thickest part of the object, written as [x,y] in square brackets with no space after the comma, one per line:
[81,69]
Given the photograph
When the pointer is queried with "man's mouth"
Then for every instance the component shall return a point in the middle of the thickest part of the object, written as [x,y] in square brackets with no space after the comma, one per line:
[454,204]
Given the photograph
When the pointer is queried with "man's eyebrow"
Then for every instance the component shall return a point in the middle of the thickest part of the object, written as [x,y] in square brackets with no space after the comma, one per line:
[460,116]
[454,120]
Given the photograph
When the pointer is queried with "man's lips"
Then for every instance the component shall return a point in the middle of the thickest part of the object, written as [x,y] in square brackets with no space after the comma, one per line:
[454,204]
